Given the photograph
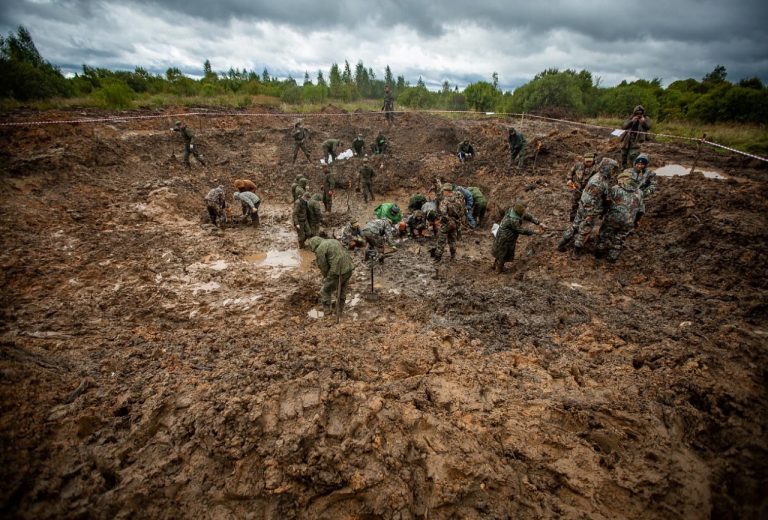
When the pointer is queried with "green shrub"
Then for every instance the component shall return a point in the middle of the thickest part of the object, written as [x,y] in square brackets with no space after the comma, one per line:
[114,94]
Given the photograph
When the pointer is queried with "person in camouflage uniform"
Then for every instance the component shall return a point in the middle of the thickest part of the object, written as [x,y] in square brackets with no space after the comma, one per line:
[451,213]
[578,177]
[389,105]
[389,211]
[336,266]
[216,204]
[299,188]
[189,144]
[624,202]
[516,147]
[417,224]
[250,203]
[366,180]
[301,219]
[314,214]
[300,135]
[465,150]
[330,150]
[294,185]
[358,146]
[380,144]
[633,135]
[378,233]
[351,236]
[329,184]
[506,237]
[429,209]
[480,204]
[416,201]
[645,180]
[591,206]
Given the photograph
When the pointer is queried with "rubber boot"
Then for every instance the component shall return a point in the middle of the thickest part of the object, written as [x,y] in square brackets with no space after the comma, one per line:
[577,252]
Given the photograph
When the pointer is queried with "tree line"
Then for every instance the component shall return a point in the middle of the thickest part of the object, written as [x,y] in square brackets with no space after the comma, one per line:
[26,76]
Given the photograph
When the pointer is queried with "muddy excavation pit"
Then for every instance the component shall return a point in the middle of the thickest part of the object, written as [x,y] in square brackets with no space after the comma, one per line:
[154,366]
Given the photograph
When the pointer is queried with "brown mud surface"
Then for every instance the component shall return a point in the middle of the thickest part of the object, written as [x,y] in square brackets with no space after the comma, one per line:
[152,365]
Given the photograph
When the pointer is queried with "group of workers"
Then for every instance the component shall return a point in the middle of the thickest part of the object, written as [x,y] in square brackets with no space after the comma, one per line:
[599,192]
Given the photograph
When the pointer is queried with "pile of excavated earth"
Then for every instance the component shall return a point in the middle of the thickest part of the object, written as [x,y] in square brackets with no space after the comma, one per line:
[153,365]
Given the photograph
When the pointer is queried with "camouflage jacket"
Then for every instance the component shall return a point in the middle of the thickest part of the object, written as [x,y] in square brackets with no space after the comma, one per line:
[513,223]
[632,127]
[358,143]
[215,197]
[645,180]
[248,198]
[465,147]
[186,134]
[330,144]
[314,212]
[389,101]
[350,234]
[367,173]
[380,227]
[624,204]
[299,134]
[331,257]
[516,142]
[297,191]
[594,196]
[329,183]
[581,173]
[300,210]
[453,206]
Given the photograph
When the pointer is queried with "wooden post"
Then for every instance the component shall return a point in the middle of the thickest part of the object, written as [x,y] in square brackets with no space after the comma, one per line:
[698,152]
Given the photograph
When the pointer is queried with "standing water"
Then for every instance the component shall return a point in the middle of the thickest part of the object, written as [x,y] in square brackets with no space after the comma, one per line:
[678,170]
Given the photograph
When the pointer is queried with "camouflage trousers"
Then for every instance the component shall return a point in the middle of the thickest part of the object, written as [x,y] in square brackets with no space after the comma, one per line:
[253,213]
[611,238]
[448,233]
[304,232]
[367,191]
[575,199]
[331,286]
[189,148]
[628,156]
[327,201]
[581,229]
[478,211]
[518,155]
[296,146]
[216,214]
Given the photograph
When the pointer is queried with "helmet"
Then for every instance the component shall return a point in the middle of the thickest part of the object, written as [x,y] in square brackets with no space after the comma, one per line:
[395,209]
[642,158]
[313,242]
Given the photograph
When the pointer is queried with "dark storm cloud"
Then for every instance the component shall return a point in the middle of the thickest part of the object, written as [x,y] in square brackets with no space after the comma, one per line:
[452,40]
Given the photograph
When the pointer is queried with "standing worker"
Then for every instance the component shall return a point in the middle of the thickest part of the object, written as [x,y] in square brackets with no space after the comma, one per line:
[358,146]
[336,266]
[634,134]
[366,180]
[189,144]
[389,105]
[516,147]
[314,214]
[506,237]
[329,184]
[301,219]
[624,202]
[578,177]
[481,203]
[300,134]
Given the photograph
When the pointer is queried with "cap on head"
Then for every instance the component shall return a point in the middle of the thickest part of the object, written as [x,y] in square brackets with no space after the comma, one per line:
[512,130]
[589,157]
[642,158]
[639,110]
[608,166]
[520,207]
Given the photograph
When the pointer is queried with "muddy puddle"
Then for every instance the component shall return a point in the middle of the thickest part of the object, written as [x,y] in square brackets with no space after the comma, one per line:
[299,259]
[678,170]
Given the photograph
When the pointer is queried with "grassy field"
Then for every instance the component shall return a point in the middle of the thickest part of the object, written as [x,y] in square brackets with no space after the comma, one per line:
[744,137]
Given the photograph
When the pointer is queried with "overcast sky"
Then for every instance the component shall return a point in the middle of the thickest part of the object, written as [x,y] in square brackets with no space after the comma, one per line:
[457,41]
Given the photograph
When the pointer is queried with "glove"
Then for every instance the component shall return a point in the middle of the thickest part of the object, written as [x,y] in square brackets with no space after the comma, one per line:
[572,185]
[191,147]
[330,193]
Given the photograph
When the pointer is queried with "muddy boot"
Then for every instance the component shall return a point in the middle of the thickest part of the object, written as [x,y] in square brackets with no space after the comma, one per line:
[577,252]
[255,219]
[499,267]
[563,244]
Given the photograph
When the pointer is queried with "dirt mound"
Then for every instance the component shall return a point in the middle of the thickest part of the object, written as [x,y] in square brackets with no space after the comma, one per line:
[155,365]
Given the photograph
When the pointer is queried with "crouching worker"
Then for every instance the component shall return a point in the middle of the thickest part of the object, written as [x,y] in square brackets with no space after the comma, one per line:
[216,205]
[250,203]
[506,237]
[336,266]
[351,236]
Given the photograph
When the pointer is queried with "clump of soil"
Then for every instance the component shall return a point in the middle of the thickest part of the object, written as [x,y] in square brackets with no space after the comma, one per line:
[153,365]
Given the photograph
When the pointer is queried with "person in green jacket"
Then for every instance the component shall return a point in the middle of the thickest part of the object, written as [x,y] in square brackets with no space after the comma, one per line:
[301,219]
[314,214]
[389,211]
[506,237]
[358,146]
[481,204]
[299,187]
[516,147]
[336,266]
[366,180]
[380,144]
[189,144]
[330,150]
[329,184]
